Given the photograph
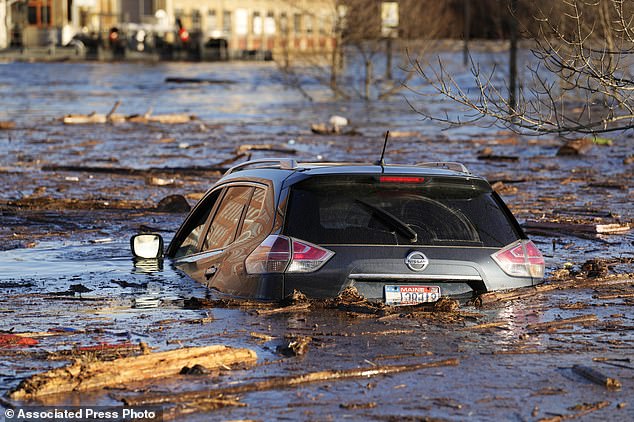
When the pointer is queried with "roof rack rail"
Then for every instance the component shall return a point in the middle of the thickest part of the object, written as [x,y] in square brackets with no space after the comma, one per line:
[282,163]
[450,165]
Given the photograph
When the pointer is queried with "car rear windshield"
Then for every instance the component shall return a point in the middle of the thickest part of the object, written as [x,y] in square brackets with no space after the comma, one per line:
[400,210]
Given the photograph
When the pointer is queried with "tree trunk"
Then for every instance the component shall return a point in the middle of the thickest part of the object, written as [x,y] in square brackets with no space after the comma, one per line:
[368,78]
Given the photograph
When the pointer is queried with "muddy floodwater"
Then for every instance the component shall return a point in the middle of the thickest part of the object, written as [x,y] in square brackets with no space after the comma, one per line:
[72,195]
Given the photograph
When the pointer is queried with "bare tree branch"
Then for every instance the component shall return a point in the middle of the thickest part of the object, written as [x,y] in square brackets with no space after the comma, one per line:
[578,82]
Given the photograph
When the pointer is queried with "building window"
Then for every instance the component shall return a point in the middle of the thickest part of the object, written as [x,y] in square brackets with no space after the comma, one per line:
[283,23]
[308,23]
[297,23]
[226,22]
[322,24]
[148,8]
[242,21]
[257,23]
[212,24]
[269,23]
[39,12]
[196,20]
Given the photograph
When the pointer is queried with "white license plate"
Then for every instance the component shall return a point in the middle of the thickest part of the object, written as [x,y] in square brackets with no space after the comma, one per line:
[410,295]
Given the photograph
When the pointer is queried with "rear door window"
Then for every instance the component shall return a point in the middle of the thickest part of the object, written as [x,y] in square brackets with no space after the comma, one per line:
[252,225]
[224,225]
[364,210]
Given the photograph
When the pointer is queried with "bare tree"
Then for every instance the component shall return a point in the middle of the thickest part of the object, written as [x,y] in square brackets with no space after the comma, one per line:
[579,81]
[349,69]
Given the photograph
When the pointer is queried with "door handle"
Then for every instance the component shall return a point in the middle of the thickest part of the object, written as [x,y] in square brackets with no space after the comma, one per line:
[210,272]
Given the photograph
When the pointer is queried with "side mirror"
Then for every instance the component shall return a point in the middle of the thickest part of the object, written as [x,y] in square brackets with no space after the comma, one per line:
[147,246]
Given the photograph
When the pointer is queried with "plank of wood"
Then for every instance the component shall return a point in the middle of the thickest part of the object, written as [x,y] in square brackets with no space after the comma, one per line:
[84,375]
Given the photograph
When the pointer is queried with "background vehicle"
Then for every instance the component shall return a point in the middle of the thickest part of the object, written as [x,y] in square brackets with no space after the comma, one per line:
[401,234]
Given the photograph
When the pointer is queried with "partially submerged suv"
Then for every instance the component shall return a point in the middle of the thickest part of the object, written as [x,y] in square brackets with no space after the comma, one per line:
[402,234]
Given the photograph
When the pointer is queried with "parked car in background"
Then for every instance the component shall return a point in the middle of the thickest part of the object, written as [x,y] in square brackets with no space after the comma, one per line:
[402,234]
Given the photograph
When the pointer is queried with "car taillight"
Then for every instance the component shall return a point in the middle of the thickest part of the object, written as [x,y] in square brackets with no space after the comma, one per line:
[308,257]
[278,254]
[521,259]
[272,256]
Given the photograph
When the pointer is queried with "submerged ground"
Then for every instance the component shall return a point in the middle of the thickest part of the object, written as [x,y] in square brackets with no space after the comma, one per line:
[70,197]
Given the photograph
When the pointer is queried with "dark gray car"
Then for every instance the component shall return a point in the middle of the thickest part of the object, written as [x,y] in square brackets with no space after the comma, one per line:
[402,234]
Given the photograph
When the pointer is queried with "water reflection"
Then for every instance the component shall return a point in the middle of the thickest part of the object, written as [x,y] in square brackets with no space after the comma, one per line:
[518,316]
[147,266]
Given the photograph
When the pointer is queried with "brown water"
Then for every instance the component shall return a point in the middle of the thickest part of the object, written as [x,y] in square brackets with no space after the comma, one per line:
[61,228]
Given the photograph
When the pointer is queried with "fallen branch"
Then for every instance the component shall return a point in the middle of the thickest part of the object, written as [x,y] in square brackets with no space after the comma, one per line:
[283,382]
[84,375]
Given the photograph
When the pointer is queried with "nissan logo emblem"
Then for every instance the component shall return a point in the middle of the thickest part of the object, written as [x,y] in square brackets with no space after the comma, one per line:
[416,261]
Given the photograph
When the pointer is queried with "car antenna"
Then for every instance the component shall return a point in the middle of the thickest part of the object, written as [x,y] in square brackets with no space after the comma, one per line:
[381,162]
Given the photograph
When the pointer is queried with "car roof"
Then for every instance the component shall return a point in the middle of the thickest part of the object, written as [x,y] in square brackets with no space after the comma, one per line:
[281,168]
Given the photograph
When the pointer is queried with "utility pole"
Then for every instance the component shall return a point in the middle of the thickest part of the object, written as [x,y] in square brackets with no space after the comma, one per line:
[513,57]
[466,31]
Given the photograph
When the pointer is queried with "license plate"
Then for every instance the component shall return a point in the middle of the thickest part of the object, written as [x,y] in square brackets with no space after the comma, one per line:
[411,295]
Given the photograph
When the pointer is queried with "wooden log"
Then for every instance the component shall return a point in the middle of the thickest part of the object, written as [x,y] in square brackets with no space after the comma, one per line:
[283,382]
[83,119]
[596,377]
[6,125]
[170,119]
[84,375]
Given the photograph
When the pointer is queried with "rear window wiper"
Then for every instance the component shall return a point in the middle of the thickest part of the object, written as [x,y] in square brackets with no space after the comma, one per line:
[392,220]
